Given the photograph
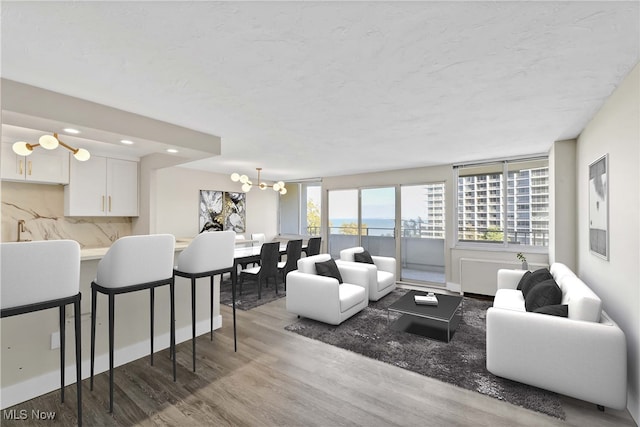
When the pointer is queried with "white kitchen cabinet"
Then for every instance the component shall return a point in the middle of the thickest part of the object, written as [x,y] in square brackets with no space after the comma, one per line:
[42,166]
[102,186]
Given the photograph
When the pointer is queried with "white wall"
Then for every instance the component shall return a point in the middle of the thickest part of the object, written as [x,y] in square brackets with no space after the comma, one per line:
[177,192]
[615,130]
[562,203]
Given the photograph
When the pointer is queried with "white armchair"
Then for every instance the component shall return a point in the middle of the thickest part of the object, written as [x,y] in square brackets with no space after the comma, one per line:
[382,273]
[323,298]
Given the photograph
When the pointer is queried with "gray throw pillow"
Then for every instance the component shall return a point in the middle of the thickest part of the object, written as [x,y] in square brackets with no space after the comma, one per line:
[364,257]
[329,268]
[561,310]
[544,293]
[533,279]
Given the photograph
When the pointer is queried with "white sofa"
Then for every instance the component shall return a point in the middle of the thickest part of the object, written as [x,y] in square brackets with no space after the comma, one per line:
[382,273]
[323,298]
[583,355]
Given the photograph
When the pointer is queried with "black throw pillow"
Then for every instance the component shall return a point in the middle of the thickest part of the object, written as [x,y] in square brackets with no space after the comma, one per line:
[363,256]
[534,278]
[523,280]
[329,269]
[544,293]
[561,310]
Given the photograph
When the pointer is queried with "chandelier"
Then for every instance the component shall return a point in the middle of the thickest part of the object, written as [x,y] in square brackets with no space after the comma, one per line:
[49,142]
[247,184]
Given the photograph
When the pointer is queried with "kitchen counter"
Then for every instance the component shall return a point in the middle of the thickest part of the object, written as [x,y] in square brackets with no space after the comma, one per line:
[87,254]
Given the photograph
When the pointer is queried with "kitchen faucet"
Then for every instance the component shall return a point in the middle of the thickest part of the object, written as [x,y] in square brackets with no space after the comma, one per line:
[21,229]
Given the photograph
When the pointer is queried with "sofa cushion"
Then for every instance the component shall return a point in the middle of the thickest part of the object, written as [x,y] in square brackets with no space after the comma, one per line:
[363,256]
[534,278]
[561,310]
[583,303]
[329,269]
[544,293]
[385,279]
[350,296]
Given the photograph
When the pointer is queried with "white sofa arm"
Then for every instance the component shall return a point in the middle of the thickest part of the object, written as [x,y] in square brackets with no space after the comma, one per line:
[585,360]
[312,294]
[509,279]
[385,263]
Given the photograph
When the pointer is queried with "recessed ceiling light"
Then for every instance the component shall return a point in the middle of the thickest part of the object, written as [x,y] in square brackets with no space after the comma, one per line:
[126,141]
[172,150]
[71,130]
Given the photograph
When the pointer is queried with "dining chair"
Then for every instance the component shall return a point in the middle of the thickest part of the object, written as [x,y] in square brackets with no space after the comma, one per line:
[134,263]
[208,255]
[41,275]
[269,254]
[259,238]
[294,252]
[313,246]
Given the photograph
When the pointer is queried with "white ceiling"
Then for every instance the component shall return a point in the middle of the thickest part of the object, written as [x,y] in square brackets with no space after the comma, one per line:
[312,89]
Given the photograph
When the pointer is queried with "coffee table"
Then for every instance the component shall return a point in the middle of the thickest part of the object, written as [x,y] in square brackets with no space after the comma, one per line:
[438,322]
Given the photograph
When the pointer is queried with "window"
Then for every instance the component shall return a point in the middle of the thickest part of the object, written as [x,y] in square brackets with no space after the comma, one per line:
[300,209]
[516,209]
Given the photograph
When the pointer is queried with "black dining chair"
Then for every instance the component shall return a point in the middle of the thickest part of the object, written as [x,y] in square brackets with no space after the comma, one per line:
[313,246]
[294,252]
[269,254]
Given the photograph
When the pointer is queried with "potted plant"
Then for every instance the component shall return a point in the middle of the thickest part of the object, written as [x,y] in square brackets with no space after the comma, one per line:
[521,257]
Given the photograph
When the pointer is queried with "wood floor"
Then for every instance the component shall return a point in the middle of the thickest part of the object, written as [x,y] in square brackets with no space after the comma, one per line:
[278,378]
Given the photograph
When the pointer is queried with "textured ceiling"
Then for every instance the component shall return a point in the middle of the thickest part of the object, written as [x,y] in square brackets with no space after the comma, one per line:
[312,89]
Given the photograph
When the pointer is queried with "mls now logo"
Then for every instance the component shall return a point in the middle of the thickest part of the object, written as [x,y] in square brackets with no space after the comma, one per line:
[23,414]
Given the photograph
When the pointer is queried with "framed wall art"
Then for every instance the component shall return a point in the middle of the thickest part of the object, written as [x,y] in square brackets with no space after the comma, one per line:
[599,207]
[221,210]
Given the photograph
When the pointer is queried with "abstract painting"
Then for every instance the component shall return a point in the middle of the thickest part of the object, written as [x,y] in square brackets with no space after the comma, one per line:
[220,210]
[599,207]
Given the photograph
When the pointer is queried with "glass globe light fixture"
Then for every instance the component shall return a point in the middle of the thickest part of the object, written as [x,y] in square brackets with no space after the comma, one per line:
[48,142]
[246,187]
[235,177]
[22,148]
[82,155]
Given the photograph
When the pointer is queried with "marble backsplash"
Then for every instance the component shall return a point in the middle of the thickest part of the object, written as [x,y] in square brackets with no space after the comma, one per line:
[41,206]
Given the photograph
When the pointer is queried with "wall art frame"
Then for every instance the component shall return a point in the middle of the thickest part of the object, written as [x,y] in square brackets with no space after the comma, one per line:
[599,207]
[222,210]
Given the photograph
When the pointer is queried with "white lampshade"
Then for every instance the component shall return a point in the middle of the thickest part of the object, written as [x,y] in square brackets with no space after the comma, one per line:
[246,187]
[235,177]
[21,148]
[281,184]
[244,179]
[283,191]
[49,142]
[82,155]
[263,185]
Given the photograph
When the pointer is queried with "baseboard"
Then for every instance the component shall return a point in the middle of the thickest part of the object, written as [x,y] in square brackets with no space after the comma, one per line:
[45,383]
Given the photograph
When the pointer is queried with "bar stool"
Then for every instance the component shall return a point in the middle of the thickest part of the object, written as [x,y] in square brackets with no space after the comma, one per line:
[208,255]
[133,263]
[41,275]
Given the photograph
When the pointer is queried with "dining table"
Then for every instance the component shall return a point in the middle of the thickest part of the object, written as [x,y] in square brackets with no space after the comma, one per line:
[242,256]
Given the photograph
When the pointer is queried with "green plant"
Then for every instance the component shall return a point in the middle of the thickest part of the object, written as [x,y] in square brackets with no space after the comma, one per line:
[521,257]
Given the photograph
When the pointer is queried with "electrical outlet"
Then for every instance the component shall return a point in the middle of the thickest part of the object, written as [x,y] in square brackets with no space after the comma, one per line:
[55,340]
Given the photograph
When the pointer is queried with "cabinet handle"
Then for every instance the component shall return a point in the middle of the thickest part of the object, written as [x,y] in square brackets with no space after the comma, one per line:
[102,203]
[109,203]
[29,163]
[21,169]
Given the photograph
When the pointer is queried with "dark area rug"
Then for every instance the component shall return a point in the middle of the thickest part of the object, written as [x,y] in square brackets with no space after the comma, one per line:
[461,362]
[249,298]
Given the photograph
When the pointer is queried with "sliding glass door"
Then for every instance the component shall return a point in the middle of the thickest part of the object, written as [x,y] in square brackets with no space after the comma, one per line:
[423,233]
[378,220]
[343,222]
